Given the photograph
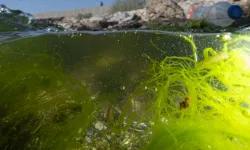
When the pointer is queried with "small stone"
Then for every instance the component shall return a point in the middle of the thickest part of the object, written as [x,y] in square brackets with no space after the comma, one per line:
[92,97]
[80,131]
[126,140]
[164,120]
[142,126]
[90,132]
[122,87]
[100,126]
[108,137]
[88,139]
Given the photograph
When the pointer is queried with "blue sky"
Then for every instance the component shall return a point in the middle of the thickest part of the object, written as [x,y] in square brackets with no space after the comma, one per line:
[35,6]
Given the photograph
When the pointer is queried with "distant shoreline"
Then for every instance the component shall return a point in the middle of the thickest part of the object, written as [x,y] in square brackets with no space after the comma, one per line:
[74,12]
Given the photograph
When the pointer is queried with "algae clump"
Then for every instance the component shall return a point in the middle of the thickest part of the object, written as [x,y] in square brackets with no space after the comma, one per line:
[216,93]
[41,106]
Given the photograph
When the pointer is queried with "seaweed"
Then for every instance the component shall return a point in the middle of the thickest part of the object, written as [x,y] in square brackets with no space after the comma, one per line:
[215,88]
[42,106]
[197,104]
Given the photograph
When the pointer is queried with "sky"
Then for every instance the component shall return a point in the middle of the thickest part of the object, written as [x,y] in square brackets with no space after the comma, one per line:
[36,6]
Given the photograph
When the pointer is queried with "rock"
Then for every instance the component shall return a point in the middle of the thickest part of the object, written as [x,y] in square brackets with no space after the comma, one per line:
[132,20]
[64,25]
[47,21]
[100,126]
[82,24]
[135,15]
[142,13]
[127,25]
[128,20]
[96,18]
[90,132]
[120,17]
[157,11]
[87,24]
[164,11]
[106,24]
[117,21]
[88,139]
[106,16]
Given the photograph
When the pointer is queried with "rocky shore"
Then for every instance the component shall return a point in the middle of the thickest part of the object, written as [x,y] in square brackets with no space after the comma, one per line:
[157,12]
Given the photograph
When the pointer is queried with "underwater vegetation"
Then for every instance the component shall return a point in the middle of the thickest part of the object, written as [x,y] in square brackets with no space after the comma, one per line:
[40,106]
[201,104]
[199,101]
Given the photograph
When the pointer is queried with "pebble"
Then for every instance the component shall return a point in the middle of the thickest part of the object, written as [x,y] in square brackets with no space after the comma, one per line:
[90,132]
[122,88]
[100,126]
[80,131]
[108,137]
[142,126]
[88,140]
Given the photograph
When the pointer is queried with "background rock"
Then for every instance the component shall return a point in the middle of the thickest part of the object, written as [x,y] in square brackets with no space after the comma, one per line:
[116,21]
[157,11]
[164,11]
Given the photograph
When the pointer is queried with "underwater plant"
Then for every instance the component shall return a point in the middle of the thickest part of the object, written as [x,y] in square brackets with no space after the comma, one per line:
[40,105]
[192,102]
[202,104]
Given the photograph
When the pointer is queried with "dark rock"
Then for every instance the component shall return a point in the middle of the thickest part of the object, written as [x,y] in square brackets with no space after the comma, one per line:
[106,24]
[127,25]
[136,17]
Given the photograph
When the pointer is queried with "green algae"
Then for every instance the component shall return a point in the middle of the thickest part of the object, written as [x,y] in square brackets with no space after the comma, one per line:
[60,117]
[42,106]
[216,87]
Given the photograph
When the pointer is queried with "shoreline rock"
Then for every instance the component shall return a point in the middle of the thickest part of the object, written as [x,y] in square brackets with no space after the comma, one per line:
[165,12]
[116,21]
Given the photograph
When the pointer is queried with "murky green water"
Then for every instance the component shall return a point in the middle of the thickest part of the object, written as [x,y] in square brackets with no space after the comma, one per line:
[56,88]
[66,90]
[85,90]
